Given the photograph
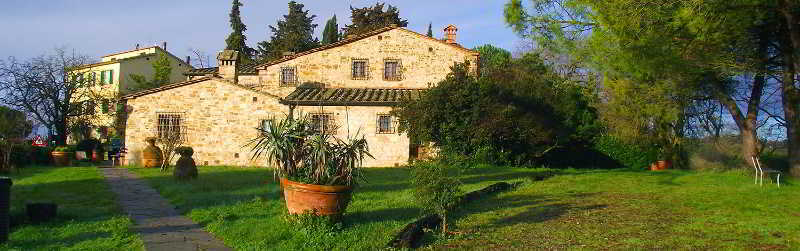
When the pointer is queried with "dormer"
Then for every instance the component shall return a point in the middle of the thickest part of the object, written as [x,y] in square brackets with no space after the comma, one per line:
[227,61]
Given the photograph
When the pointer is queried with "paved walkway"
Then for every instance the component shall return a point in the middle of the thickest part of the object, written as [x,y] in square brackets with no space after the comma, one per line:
[157,222]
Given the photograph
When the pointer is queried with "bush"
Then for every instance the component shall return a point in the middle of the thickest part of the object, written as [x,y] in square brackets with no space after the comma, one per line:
[628,155]
[67,148]
[88,145]
[436,188]
[511,115]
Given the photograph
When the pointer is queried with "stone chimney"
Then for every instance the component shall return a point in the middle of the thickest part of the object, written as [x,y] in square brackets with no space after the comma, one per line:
[450,33]
[227,62]
[188,60]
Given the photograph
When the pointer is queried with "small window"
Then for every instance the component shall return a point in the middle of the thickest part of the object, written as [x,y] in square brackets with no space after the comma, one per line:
[288,76]
[392,70]
[170,125]
[385,123]
[360,69]
[322,122]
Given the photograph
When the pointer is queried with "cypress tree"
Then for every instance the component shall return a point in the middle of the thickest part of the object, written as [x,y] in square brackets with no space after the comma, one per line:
[372,18]
[295,33]
[430,29]
[331,33]
[236,40]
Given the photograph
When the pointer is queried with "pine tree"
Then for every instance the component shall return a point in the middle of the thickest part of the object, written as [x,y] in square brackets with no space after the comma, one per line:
[237,40]
[295,33]
[372,18]
[331,33]
[430,29]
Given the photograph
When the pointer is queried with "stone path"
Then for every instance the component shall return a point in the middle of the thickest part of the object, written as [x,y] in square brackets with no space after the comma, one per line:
[157,222]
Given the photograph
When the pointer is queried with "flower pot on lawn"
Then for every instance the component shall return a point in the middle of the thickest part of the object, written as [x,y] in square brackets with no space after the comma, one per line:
[663,164]
[151,156]
[97,156]
[62,158]
[320,199]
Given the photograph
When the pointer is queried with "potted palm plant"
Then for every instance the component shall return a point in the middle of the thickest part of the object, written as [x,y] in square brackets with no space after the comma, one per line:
[317,171]
[62,155]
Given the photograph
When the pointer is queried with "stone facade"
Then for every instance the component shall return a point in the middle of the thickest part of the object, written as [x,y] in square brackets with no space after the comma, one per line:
[221,114]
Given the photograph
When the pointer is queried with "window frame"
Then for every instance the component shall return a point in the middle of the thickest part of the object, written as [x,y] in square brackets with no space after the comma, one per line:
[282,81]
[378,125]
[364,71]
[398,69]
[170,118]
[328,124]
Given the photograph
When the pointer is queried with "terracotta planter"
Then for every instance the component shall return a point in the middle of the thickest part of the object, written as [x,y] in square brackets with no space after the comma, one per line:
[151,155]
[653,167]
[62,158]
[97,156]
[323,200]
[663,164]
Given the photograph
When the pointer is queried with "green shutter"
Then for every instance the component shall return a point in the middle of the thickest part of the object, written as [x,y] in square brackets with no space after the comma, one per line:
[110,76]
[105,106]
[102,77]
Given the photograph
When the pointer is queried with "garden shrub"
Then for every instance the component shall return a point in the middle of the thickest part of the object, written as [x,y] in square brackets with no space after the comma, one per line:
[87,145]
[185,150]
[511,115]
[628,155]
[436,188]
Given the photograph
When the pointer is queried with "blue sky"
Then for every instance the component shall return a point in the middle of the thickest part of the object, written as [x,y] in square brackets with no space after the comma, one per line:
[96,28]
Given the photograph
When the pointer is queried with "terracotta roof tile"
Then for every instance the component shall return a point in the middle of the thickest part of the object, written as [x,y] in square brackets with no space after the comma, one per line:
[350,96]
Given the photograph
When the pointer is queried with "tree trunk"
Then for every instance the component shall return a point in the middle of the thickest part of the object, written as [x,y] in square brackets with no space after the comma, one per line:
[790,42]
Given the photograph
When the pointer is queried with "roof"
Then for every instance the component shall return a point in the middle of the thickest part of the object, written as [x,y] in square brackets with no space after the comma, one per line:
[128,58]
[228,55]
[123,52]
[185,83]
[350,96]
[354,39]
[249,69]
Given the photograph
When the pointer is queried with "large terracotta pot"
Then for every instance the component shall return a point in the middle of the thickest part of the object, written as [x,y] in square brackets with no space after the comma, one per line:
[97,156]
[151,156]
[62,158]
[663,164]
[320,199]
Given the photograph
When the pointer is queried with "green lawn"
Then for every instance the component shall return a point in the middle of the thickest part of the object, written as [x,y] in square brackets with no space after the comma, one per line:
[88,217]
[591,209]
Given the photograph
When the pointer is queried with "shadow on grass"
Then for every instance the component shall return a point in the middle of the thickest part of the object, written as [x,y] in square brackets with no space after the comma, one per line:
[401,214]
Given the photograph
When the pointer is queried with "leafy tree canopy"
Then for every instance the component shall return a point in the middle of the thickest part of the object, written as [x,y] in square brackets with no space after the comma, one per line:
[372,18]
[295,33]
[13,124]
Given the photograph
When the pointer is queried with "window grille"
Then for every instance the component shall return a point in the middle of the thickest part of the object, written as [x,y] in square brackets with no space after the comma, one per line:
[288,76]
[392,70]
[322,122]
[385,124]
[360,69]
[170,125]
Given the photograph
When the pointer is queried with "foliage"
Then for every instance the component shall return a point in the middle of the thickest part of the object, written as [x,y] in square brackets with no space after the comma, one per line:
[185,150]
[170,141]
[436,188]
[514,114]
[331,33]
[430,30]
[367,19]
[634,156]
[66,148]
[295,33]
[25,154]
[13,124]
[161,75]
[492,58]
[237,39]
[301,154]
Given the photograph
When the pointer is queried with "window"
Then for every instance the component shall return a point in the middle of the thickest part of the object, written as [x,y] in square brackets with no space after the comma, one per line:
[170,125]
[385,123]
[107,77]
[322,122]
[265,127]
[288,76]
[360,69]
[104,106]
[392,70]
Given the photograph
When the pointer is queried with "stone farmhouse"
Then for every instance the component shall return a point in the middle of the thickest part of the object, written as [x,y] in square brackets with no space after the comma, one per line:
[347,88]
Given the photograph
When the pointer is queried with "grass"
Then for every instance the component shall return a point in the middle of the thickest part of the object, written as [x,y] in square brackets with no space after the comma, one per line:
[587,209]
[88,218]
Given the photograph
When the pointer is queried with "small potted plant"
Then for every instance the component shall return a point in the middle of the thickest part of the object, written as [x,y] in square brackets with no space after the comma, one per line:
[185,168]
[62,155]
[317,171]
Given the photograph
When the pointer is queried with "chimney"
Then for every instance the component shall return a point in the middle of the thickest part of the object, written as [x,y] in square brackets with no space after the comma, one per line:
[450,32]
[287,54]
[227,62]
[164,45]
[188,60]
[137,46]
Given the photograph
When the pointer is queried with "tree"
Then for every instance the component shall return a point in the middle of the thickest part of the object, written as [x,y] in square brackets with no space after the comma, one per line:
[14,126]
[331,33]
[430,30]
[685,52]
[201,58]
[237,40]
[436,189]
[492,58]
[161,75]
[372,18]
[170,141]
[50,90]
[295,33]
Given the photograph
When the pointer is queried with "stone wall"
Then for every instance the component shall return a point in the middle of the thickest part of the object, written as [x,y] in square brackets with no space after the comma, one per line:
[424,62]
[220,119]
